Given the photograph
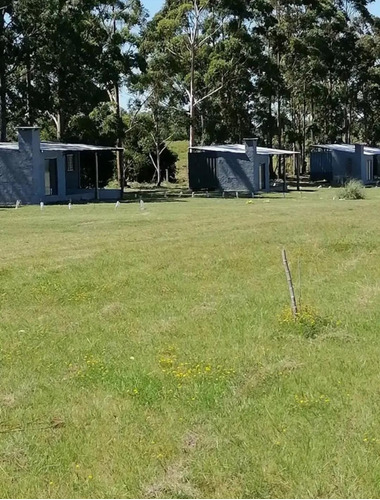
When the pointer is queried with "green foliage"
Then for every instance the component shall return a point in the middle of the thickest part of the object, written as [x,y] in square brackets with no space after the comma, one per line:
[308,322]
[293,74]
[181,149]
[67,58]
[352,190]
[106,168]
[139,148]
[145,171]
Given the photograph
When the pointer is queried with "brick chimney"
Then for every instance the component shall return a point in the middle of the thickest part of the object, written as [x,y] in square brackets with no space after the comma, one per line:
[29,140]
[250,148]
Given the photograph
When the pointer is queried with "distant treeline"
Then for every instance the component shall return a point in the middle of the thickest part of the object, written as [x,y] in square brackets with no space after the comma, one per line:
[291,73]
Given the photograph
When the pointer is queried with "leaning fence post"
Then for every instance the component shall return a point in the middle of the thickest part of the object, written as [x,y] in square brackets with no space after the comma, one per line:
[290,284]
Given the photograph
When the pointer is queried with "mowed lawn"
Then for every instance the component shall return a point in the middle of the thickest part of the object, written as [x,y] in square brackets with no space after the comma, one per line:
[144,353]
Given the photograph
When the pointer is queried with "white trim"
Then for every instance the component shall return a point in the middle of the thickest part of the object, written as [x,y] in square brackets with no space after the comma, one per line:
[240,148]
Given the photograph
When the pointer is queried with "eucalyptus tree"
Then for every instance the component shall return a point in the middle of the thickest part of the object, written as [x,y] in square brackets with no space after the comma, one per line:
[121,22]
[6,59]
[161,116]
[58,43]
[189,33]
[72,55]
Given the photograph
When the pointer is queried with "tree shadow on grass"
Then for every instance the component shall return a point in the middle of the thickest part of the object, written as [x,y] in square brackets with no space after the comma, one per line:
[148,198]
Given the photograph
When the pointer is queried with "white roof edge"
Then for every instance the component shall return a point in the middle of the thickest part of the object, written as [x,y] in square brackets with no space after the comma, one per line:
[240,148]
[348,148]
[57,146]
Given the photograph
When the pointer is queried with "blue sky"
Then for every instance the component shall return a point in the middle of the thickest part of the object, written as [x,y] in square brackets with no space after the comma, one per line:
[154,5]
[374,7]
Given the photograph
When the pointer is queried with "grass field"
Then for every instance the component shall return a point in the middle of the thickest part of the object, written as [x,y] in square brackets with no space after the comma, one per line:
[181,148]
[149,353]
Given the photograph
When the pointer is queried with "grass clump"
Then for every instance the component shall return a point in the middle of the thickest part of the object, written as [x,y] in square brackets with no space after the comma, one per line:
[308,322]
[352,190]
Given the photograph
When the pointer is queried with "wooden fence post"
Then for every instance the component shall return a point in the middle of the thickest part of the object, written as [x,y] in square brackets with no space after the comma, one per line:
[290,284]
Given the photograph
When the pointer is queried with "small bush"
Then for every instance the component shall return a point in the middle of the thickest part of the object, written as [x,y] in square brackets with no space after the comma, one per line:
[308,323]
[352,190]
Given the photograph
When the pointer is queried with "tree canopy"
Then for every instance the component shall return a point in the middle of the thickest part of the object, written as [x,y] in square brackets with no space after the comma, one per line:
[293,73]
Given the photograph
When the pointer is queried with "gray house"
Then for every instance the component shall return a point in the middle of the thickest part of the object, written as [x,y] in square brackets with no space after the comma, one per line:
[340,162]
[234,167]
[33,171]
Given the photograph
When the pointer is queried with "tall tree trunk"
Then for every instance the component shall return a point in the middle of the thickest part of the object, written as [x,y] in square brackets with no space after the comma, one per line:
[270,131]
[119,139]
[203,137]
[312,120]
[192,99]
[3,80]
[304,131]
[28,76]
[158,163]
[279,131]
[59,125]
[278,60]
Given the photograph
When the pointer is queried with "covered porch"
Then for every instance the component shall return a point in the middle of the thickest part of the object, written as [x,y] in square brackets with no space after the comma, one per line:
[63,172]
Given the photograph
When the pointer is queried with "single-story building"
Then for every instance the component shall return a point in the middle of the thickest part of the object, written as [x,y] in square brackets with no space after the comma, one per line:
[33,171]
[233,167]
[339,162]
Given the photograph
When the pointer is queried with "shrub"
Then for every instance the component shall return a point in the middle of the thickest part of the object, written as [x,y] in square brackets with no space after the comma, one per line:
[352,190]
[308,323]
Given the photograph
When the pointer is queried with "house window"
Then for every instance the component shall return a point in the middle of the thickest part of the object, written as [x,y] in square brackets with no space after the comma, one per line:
[369,170]
[51,177]
[70,163]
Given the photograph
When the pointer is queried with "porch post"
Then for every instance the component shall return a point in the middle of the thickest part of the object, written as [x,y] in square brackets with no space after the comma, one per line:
[267,174]
[121,173]
[96,176]
[297,165]
[282,160]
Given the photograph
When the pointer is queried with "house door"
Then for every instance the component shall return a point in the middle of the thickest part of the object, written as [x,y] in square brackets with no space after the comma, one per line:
[51,177]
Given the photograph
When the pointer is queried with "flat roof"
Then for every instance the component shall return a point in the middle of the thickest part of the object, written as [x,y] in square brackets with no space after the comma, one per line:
[240,148]
[9,145]
[348,148]
[58,146]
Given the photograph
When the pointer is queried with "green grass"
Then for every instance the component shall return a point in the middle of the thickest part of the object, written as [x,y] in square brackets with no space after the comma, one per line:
[147,354]
[181,148]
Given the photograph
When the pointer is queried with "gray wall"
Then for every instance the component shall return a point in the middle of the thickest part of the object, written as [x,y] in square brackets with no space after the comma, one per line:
[321,165]
[220,171]
[73,178]
[226,171]
[18,169]
[338,166]
[346,165]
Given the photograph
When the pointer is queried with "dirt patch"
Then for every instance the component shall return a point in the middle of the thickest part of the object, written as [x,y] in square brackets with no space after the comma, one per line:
[8,400]
[174,484]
